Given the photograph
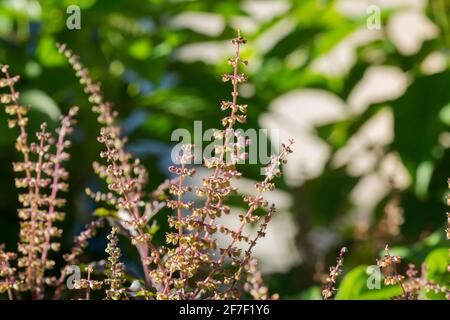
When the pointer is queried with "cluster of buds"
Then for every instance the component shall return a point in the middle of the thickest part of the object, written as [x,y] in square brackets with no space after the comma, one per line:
[88,284]
[415,284]
[388,265]
[8,281]
[273,169]
[44,177]
[218,187]
[170,269]
[254,284]
[390,223]
[125,176]
[185,256]
[235,78]
[247,264]
[412,284]
[329,289]
[81,241]
[115,272]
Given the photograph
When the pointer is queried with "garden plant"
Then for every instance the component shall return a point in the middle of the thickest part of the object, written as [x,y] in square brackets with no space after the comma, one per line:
[325,174]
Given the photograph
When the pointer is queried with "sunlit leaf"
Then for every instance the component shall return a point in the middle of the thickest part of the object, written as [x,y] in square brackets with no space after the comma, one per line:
[41,102]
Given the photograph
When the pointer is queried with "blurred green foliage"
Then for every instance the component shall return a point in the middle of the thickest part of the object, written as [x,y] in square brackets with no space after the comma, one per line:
[131,47]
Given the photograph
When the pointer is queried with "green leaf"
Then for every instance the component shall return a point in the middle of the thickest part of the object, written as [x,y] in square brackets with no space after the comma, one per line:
[354,287]
[353,284]
[437,262]
[6,25]
[424,174]
[419,109]
[312,293]
[140,49]
[384,293]
[158,123]
[444,115]
[102,212]
[153,229]
[48,54]
[41,102]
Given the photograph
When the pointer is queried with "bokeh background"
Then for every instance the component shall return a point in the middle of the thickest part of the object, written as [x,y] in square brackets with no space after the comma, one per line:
[369,109]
